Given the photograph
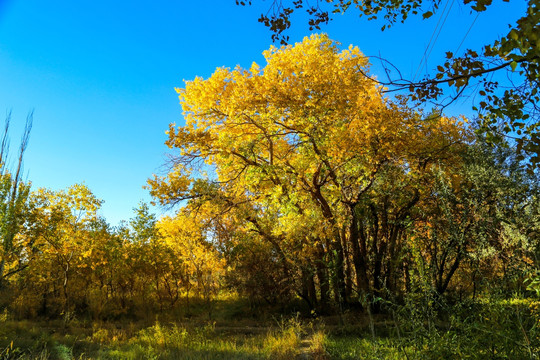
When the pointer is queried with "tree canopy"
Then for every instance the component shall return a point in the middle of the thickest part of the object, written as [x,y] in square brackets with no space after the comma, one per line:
[296,150]
[507,108]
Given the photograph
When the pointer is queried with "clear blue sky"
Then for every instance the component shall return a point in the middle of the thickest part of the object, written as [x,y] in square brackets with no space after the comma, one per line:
[100,75]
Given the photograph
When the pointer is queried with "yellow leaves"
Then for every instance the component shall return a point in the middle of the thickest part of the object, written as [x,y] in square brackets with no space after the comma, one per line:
[77,203]
[62,229]
[255,69]
[295,79]
[306,73]
[183,235]
[293,144]
[80,197]
[175,185]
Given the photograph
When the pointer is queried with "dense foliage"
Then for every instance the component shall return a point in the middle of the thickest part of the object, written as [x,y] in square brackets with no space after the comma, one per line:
[346,195]
[506,103]
[297,185]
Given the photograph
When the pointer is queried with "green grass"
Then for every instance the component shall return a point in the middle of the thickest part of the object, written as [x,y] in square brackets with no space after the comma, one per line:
[481,330]
[27,340]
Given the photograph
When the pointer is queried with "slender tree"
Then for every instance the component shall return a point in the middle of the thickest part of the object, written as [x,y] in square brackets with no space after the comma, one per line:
[14,192]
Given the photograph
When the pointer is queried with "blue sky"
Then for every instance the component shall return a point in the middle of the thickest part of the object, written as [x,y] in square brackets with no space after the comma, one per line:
[100,75]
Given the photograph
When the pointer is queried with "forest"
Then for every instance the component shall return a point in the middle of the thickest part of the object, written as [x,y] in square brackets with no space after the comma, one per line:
[311,216]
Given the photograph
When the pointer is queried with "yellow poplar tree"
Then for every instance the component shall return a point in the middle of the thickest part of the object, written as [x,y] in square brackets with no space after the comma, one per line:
[64,245]
[201,266]
[306,151]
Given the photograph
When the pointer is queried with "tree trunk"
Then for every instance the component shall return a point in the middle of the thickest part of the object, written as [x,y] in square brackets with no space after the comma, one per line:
[338,275]
[359,260]
[348,266]
[2,266]
[322,277]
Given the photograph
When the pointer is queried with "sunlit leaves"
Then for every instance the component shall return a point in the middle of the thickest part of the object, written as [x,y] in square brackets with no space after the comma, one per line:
[201,265]
[290,148]
[514,56]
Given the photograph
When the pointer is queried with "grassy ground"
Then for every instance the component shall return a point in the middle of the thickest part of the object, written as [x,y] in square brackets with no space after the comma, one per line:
[503,331]
[54,340]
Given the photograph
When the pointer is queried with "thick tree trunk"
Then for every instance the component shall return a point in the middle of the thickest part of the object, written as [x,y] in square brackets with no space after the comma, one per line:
[308,292]
[358,257]
[339,276]
[392,259]
[334,246]
[322,277]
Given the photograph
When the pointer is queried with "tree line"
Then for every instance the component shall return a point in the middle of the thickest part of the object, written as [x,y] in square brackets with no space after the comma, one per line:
[296,181]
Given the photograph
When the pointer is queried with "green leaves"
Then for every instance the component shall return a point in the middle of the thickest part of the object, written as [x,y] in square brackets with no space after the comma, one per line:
[513,65]
[533,284]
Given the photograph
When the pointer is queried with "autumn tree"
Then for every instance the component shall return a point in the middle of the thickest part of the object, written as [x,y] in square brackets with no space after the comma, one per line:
[14,193]
[75,263]
[63,242]
[299,150]
[199,267]
[151,260]
[508,108]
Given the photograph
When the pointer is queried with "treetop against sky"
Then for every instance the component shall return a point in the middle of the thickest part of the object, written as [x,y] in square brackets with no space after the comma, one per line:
[100,75]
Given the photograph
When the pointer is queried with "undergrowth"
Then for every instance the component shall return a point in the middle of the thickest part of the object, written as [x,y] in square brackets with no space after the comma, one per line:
[503,329]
